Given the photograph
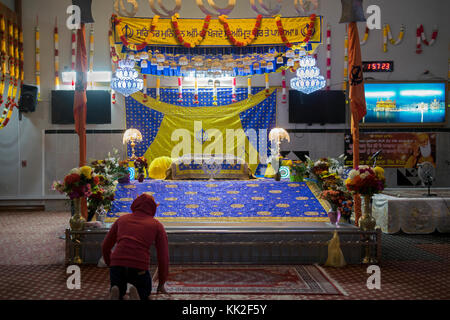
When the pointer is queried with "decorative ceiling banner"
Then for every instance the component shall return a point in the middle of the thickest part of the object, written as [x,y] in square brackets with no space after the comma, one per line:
[166,13]
[119,8]
[220,11]
[266,11]
[305,6]
[295,29]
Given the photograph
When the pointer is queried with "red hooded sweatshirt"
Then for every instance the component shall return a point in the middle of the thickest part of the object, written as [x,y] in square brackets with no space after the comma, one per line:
[133,235]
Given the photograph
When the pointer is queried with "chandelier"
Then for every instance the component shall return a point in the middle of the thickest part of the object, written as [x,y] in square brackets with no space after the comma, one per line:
[126,79]
[308,77]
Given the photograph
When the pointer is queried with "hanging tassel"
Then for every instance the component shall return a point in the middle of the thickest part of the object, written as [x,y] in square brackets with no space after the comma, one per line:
[400,35]
[158,88]
[335,255]
[112,53]
[344,83]
[16,67]
[366,36]
[249,87]
[21,60]
[74,52]
[196,92]
[328,57]
[56,53]
[266,78]
[421,37]
[144,89]
[38,63]
[283,85]
[233,90]
[180,89]
[215,93]
[91,54]
[385,38]
[418,39]
[434,36]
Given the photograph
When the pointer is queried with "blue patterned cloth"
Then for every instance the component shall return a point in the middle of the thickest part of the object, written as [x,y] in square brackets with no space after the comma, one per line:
[255,200]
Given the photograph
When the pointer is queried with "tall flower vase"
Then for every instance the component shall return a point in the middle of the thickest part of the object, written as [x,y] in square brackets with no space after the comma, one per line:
[77,224]
[367,223]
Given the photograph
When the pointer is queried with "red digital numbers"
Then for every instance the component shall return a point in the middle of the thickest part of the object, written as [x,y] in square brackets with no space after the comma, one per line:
[378,66]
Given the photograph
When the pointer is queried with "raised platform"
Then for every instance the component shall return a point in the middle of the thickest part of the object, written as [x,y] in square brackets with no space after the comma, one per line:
[253,222]
[250,243]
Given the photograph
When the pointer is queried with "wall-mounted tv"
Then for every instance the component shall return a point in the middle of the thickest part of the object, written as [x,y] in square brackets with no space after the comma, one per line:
[98,107]
[406,103]
[324,106]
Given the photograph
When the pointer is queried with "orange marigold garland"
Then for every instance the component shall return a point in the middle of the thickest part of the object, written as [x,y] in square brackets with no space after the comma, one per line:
[224,20]
[3,57]
[197,40]
[10,104]
[283,35]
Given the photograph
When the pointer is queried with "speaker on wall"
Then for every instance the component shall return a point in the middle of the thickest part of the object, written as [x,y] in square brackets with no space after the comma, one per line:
[28,98]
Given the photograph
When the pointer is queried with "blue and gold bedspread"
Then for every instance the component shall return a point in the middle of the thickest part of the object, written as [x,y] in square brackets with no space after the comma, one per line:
[260,200]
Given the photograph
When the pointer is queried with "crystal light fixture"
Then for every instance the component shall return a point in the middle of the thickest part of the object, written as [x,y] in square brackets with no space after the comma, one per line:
[308,77]
[126,79]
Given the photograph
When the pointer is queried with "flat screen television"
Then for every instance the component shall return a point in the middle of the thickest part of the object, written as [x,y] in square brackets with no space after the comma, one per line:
[324,106]
[98,107]
[406,103]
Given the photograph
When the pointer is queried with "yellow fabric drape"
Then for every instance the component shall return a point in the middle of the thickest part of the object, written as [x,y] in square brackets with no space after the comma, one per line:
[215,121]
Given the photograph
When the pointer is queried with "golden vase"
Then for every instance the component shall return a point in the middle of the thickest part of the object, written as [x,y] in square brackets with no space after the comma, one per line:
[367,222]
[77,224]
[77,221]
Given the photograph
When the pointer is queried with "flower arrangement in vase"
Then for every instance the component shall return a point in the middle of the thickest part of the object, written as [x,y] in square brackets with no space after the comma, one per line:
[78,183]
[326,172]
[366,181]
[123,173]
[141,164]
[332,196]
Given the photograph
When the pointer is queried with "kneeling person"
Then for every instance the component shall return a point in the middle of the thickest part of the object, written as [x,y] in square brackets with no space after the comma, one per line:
[133,235]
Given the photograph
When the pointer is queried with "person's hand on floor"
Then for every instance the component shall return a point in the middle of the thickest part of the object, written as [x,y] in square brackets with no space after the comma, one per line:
[162,289]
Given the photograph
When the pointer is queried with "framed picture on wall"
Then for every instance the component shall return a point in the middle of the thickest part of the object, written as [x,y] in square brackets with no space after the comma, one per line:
[405,103]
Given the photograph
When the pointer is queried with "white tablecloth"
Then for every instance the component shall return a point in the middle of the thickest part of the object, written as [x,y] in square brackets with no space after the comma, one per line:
[411,215]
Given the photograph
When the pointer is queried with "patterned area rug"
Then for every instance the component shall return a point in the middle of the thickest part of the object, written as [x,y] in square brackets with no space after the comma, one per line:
[278,280]
[261,200]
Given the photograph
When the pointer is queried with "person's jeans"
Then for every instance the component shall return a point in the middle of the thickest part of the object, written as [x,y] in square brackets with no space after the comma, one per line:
[120,276]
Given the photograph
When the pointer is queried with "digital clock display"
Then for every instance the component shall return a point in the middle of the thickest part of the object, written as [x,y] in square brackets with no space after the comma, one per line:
[378,66]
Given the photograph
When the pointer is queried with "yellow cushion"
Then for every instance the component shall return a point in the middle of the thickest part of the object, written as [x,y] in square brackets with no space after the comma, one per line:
[158,167]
